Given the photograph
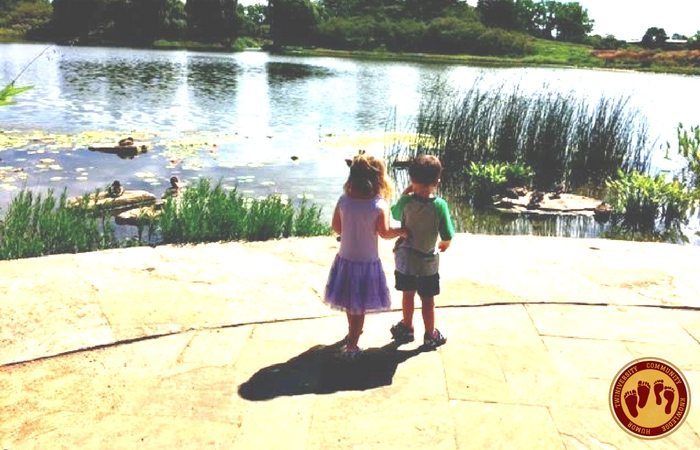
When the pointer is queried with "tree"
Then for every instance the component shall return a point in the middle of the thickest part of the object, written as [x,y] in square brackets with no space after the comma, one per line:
[654,38]
[212,20]
[251,19]
[572,22]
[129,21]
[498,13]
[138,21]
[175,20]
[428,9]
[77,18]
[293,22]
[338,8]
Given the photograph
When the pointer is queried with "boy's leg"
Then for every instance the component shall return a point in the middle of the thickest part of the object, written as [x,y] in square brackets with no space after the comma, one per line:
[355,324]
[407,306]
[428,288]
[402,332]
[428,311]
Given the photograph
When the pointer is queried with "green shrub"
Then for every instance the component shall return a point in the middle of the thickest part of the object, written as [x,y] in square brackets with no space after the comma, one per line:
[485,181]
[441,35]
[307,221]
[641,200]
[269,218]
[518,175]
[203,213]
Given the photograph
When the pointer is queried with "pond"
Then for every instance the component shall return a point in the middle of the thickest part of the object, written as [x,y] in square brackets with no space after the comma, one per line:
[259,122]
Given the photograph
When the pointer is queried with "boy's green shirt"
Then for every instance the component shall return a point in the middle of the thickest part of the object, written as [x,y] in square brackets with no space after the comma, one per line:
[425,219]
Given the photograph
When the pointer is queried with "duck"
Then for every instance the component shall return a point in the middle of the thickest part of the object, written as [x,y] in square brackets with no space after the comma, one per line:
[557,190]
[115,189]
[126,142]
[174,189]
[602,212]
[535,200]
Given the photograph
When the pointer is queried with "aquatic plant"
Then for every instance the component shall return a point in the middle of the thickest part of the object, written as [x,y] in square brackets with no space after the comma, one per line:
[206,212]
[562,138]
[484,181]
[10,91]
[642,202]
[689,149]
[36,226]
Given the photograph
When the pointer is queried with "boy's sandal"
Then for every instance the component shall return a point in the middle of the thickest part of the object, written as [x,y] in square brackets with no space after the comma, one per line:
[434,340]
[401,333]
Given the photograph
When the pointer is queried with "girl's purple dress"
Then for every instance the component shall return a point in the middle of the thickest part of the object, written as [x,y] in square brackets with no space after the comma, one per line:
[357,283]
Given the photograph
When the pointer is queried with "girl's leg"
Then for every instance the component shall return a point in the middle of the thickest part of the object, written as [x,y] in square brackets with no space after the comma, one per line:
[428,311]
[355,324]
[407,307]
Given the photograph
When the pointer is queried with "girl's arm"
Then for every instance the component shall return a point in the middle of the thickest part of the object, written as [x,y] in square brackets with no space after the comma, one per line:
[336,224]
[383,228]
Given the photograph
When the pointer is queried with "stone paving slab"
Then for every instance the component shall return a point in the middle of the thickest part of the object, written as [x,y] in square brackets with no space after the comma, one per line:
[465,395]
[228,374]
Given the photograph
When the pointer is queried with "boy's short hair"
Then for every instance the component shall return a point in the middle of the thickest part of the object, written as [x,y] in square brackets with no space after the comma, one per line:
[425,169]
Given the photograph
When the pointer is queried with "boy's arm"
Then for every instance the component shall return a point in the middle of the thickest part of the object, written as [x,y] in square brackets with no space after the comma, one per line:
[447,229]
[397,209]
[384,229]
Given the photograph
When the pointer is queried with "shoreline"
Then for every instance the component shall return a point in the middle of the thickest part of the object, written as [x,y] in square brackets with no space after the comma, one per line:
[530,61]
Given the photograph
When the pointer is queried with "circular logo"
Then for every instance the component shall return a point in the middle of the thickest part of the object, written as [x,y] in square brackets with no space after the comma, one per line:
[649,398]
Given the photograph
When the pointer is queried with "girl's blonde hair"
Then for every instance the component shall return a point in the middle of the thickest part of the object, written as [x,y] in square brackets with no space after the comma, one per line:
[368,178]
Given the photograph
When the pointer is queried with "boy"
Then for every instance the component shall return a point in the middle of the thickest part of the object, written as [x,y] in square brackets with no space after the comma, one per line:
[425,216]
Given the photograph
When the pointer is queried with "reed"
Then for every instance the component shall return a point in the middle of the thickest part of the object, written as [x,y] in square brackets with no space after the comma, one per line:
[564,139]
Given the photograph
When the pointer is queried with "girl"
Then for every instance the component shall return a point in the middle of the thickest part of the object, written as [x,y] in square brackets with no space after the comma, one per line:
[356,283]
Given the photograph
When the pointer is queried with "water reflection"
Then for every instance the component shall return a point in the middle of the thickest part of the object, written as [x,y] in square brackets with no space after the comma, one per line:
[469,220]
[117,89]
[212,79]
[121,78]
[279,72]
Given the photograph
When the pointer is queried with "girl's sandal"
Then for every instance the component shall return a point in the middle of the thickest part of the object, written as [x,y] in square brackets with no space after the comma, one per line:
[350,352]
[346,339]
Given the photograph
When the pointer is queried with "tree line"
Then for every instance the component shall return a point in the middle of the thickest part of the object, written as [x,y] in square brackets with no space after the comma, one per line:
[492,27]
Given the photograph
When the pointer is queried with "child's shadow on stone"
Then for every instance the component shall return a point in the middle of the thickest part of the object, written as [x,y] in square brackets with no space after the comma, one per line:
[322,370]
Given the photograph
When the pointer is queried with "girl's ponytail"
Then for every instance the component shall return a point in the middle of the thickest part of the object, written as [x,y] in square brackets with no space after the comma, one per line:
[368,177]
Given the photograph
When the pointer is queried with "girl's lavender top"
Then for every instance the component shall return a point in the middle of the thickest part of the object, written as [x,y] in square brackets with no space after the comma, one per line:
[358,237]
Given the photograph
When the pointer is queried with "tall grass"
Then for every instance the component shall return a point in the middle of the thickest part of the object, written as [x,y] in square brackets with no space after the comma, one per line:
[36,226]
[208,213]
[564,139]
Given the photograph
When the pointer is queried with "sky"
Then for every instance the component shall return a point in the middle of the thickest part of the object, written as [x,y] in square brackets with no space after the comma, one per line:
[629,19]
